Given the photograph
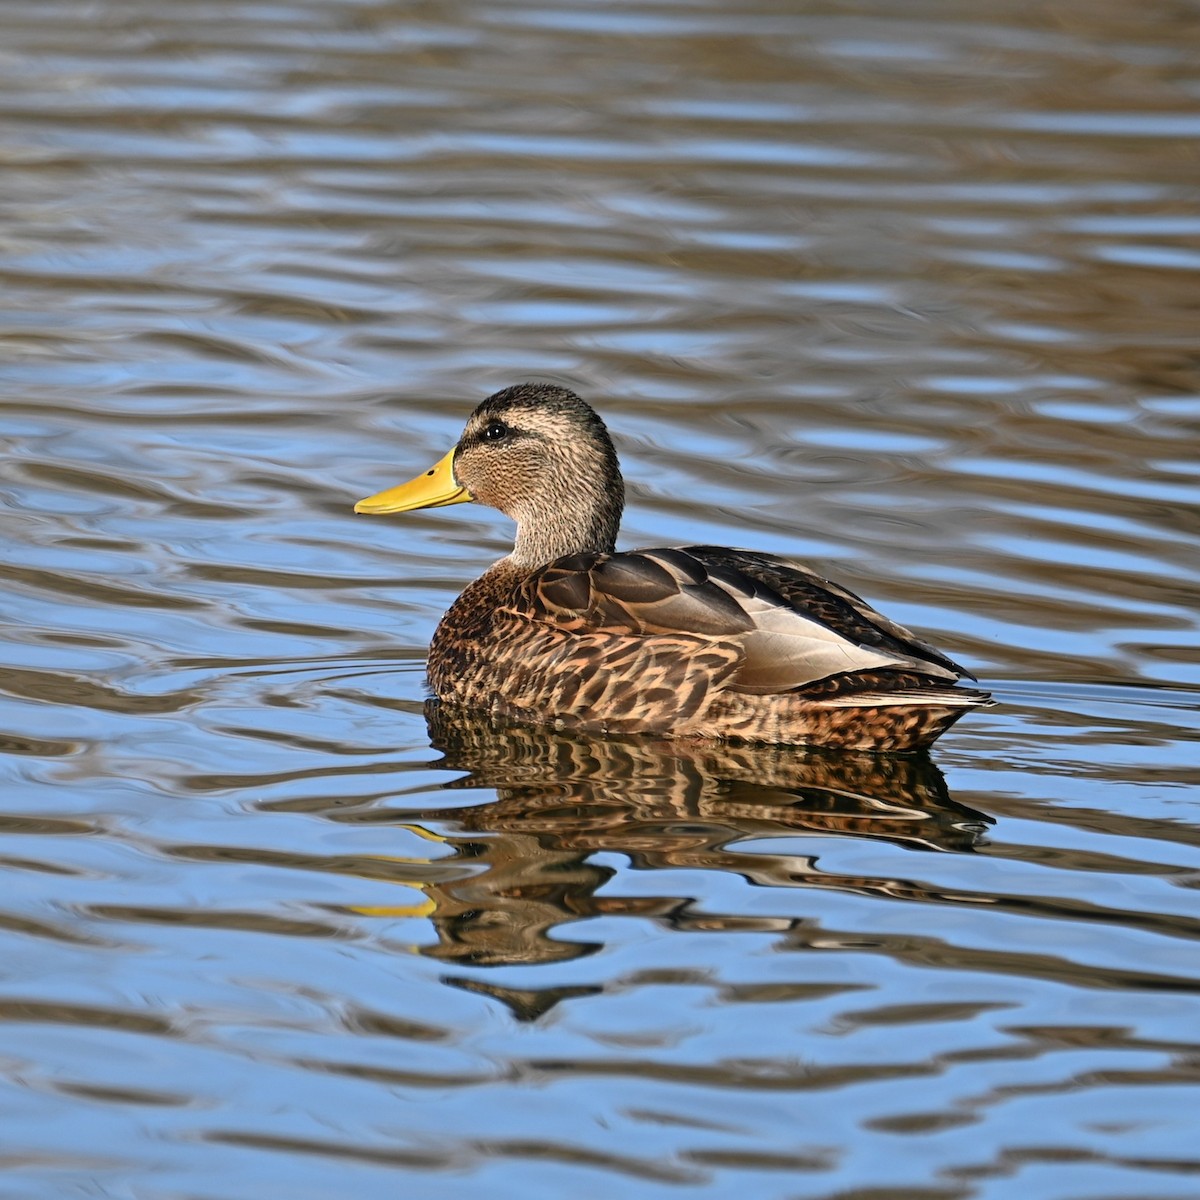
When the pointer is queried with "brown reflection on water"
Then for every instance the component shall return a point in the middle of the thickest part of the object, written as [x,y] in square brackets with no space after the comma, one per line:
[561,798]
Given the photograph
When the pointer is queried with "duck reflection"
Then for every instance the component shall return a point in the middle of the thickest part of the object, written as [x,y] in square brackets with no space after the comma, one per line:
[561,798]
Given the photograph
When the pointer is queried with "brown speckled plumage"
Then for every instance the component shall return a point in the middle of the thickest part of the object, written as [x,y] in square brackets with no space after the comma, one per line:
[698,641]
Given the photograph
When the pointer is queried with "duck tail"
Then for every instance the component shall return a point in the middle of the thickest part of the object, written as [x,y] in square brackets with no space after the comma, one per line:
[901,720]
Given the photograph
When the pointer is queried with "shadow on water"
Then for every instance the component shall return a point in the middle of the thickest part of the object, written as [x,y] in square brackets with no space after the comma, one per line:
[562,798]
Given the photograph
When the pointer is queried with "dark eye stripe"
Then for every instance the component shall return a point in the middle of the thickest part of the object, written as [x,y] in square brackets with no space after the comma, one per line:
[499,433]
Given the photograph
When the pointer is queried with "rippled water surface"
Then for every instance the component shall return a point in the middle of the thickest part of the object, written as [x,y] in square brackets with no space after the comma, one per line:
[907,291]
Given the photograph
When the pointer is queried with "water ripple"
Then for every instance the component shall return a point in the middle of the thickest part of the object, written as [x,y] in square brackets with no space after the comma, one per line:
[909,294]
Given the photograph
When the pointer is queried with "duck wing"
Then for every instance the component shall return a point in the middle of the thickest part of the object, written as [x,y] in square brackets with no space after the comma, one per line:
[779,627]
[836,606]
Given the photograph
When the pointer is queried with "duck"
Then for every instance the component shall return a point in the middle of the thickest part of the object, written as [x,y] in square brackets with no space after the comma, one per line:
[704,642]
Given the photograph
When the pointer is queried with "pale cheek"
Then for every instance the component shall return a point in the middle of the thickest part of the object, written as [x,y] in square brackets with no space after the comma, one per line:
[490,488]
[483,492]
[510,482]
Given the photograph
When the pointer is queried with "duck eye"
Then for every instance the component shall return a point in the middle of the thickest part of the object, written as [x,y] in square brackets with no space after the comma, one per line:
[495,431]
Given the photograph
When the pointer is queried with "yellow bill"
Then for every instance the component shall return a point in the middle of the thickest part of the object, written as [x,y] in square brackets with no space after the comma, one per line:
[435,489]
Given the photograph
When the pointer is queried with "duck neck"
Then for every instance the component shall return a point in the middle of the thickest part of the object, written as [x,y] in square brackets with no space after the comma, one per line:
[579,520]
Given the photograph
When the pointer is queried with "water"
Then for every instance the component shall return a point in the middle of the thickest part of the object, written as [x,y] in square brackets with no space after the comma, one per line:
[907,292]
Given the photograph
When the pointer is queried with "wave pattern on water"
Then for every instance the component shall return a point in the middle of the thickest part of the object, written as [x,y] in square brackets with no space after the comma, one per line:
[909,294]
